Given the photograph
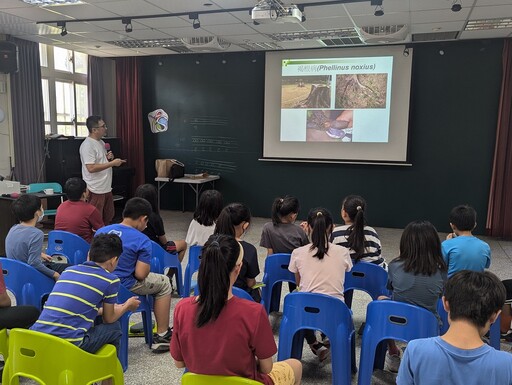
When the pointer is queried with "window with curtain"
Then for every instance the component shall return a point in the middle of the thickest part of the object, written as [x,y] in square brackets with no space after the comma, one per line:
[64,84]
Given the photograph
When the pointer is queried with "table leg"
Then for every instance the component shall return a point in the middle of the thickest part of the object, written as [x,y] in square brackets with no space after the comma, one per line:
[182,198]
[159,187]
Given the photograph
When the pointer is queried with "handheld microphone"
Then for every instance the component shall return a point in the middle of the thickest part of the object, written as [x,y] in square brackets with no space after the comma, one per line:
[107,147]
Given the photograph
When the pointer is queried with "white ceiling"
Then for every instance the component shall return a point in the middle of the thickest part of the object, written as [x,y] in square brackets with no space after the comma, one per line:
[422,16]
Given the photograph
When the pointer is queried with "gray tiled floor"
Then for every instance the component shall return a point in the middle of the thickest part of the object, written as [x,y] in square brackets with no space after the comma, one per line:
[147,368]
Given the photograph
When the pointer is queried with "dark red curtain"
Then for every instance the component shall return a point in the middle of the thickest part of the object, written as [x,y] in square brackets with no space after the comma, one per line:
[129,114]
[499,214]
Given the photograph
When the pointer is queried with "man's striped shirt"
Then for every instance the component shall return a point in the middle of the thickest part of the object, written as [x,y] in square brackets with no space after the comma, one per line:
[74,301]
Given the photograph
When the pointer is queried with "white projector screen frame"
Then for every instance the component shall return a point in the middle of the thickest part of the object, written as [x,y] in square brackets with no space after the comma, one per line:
[392,151]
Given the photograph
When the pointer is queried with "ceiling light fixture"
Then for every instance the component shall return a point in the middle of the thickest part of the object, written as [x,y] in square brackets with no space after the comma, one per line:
[195,17]
[62,25]
[456,6]
[43,3]
[127,24]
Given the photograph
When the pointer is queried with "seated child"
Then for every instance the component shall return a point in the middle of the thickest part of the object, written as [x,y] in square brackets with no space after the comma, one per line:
[76,298]
[76,215]
[417,276]
[461,250]
[234,220]
[155,230]
[134,266]
[24,242]
[320,267]
[473,301]
[203,224]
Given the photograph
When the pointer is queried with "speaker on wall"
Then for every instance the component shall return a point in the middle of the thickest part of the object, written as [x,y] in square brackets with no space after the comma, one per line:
[8,57]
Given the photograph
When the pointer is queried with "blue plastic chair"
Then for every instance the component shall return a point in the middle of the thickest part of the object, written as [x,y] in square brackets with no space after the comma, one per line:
[161,259]
[194,252]
[494,332]
[276,272]
[39,187]
[28,285]
[145,309]
[391,320]
[73,247]
[242,293]
[319,312]
[367,277]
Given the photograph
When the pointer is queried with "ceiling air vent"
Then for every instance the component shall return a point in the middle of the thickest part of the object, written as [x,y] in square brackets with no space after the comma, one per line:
[206,44]
[383,34]
[435,36]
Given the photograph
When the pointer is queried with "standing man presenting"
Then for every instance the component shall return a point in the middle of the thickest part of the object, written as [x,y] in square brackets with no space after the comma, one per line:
[97,162]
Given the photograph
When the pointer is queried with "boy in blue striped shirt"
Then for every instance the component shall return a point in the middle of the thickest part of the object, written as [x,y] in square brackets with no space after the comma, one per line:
[84,291]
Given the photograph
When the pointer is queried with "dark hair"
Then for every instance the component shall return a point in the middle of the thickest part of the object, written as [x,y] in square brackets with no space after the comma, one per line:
[463,217]
[92,122]
[420,249]
[355,206]
[105,247]
[284,206]
[320,221]
[149,193]
[209,207]
[136,208]
[74,188]
[25,207]
[218,258]
[230,216]
[474,296]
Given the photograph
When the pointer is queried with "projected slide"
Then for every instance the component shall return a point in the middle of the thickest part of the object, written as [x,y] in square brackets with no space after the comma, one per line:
[336,99]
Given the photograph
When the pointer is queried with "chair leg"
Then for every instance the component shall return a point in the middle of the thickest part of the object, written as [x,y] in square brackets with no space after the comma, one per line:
[348,298]
[276,297]
[380,355]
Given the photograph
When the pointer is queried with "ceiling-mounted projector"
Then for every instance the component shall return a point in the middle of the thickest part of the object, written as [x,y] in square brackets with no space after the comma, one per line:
[274,11]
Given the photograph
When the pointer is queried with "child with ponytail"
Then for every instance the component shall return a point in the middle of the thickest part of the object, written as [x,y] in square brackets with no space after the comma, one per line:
[362,241]
[320,267]
[234,220]
[217,333]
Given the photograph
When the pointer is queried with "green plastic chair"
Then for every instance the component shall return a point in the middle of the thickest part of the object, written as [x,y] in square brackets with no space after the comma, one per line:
[203,379]
[50,360]
[39,187]
[4,344]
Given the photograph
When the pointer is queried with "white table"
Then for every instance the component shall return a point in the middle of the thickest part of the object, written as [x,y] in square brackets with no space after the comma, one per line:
[195,184]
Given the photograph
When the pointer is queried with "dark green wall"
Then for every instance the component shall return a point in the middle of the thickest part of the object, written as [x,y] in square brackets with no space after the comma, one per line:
[453,114]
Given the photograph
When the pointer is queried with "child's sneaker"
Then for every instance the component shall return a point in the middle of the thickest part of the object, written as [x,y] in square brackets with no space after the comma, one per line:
[161,343]
[392,362]
[320,351]
[326,341]
[506,336]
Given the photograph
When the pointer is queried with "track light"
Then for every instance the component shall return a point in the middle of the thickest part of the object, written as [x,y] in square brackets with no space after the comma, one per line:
[195,17]
[379,11]
[456,6]
[127,24]
[62,25]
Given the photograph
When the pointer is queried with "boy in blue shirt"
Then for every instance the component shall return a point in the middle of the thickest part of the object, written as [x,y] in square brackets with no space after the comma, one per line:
[473,301]
[462,250]
[134,267]
[78,295]
[24,242]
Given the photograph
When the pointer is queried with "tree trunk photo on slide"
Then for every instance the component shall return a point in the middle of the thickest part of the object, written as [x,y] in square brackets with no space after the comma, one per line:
[319,97]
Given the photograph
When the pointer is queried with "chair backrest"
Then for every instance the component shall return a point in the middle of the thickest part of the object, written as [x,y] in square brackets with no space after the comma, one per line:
[276,270]
[39,187]
[33,354]
[400,321]
[28,285]
[194,253]
[240,293]
[315,311]
[203,379]
[73,247]
[367,277]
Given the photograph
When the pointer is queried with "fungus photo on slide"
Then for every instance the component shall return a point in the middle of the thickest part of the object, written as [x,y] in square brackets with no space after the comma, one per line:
[361,91]
[306,92]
